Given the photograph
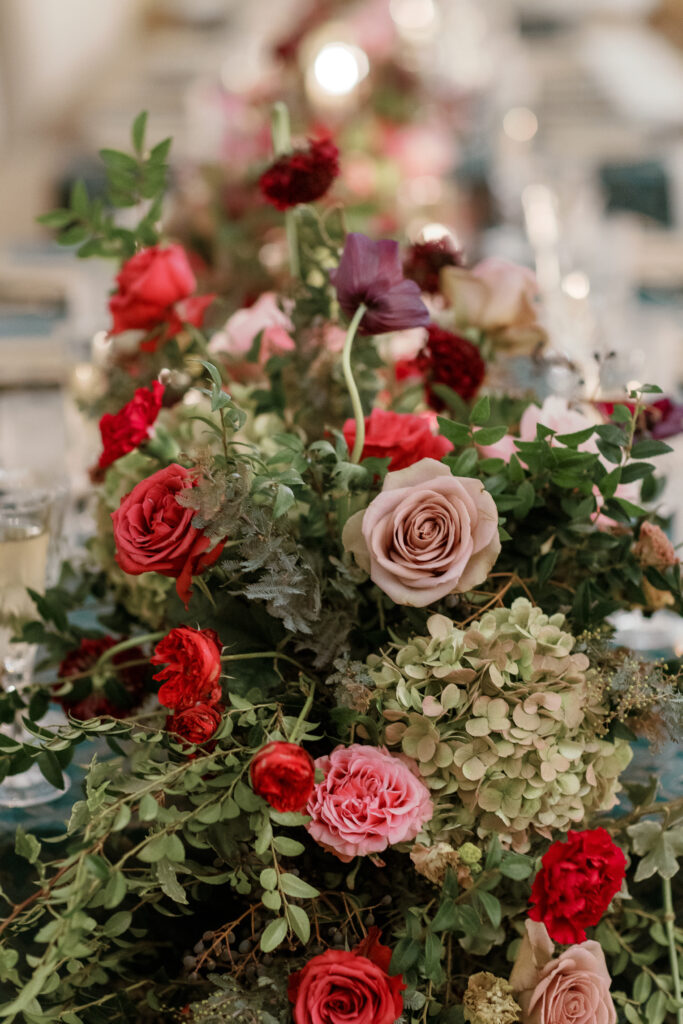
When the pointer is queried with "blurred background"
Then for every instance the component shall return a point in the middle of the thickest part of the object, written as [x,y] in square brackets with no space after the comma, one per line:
[540,131]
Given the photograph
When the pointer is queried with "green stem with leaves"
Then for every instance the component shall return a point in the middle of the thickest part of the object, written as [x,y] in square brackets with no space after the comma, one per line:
[351,383]
[669,928]
[299,725]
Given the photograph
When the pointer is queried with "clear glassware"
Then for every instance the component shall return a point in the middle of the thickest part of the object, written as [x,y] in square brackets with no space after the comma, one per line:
[30,522]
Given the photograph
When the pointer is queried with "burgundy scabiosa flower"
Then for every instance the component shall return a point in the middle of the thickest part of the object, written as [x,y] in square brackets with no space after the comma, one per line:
[302,176]
[371,273]
[425,260]
[448,358]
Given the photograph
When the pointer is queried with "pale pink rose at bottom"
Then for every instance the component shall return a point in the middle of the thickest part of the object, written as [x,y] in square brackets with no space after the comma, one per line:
[369,800]
[572,989]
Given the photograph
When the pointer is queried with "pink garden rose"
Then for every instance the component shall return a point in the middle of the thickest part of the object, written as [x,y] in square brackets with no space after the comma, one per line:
[573,989]
[369,800]
[499,299]
[427,534]
[239,333]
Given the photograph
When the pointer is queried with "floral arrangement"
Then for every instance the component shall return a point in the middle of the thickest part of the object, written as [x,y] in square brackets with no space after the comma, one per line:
[353,727]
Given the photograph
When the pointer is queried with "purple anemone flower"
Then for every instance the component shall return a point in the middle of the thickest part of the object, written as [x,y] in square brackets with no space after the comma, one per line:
[371,273]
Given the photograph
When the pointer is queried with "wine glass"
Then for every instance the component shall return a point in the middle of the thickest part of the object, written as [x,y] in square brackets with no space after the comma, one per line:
[30,519]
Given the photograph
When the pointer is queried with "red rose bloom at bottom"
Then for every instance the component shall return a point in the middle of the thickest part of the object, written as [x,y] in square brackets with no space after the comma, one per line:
[195,725]
[449,359]
[284,775]
[401,436]
[83,702]
[574,887]
[339,987]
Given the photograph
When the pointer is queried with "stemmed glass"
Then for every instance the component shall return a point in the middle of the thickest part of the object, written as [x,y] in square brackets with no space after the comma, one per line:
[30,520]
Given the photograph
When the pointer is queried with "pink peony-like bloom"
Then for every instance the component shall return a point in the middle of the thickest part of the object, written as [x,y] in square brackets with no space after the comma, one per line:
[369,800]
[426,535]
[498,298]
[573,989]
[240,331]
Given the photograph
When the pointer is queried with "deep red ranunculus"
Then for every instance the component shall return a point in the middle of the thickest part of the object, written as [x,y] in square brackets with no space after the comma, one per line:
[284,775]
[576,883]
[402,436]
[154,293]
[447,358]
[154,533]
[196,724]
[302,176]
[83,702]
[425,260]
[123,431]
[192,660]
[341,987]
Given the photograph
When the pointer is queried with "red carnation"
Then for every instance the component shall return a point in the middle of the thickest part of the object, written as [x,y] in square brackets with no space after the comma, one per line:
[123,431]
[341,987]
[401,436]
[192,660]
[447,358]
[154,533]
[196,724]
[154,294]
[576,883]
[283,774]
[425,260]
[302,176]
[83,702]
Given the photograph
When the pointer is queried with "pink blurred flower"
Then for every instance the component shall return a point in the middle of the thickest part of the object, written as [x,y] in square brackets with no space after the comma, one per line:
[266,316]
[369,800]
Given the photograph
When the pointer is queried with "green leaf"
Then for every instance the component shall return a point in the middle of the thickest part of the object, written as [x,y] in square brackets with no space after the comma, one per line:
[118,162]
[272,900]
[51,768]
[489,435]
[268,878]
[159,152]
[122,819]
[138,132]
[26,845]
[406,954]
[97,866]
[117,924]
[148,809]
[78,199]
[516,866]
[655,1010]
[636,471]
[288,847]
[56,218]
[481,412]
[492,907]
[246,798]
[457,433]
[299,923]
[273,935]
[642,987]
[649,448]
[168,880]
[632,1015]
[155,849]
[296,887]
[114,891]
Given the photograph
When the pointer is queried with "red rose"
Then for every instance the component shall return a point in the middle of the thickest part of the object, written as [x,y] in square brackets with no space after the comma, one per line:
[449,359]
[193,666]
[83,702]
[402,436]
[154,289]
[131,425]
[284,775]
[302,176]
[153,533]
[340,987]
[576,883]
[196,724]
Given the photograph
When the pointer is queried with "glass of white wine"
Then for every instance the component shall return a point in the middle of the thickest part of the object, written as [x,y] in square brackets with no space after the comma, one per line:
[30,520]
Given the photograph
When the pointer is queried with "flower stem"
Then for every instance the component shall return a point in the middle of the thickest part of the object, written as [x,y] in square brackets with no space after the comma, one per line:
[299,724]
[669,922]
[351,383]
[124,645]
[282,145]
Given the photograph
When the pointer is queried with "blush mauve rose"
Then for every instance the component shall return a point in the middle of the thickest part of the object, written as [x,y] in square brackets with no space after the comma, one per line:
[369,800]
[155,288]
[123,431]
[192,660]
[427,534]
[576,883]
[153,533]
[573,989]
[348,987]
[196,724]
[401,436]
[283,774]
